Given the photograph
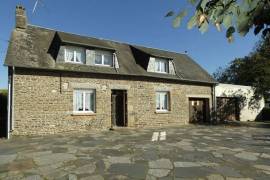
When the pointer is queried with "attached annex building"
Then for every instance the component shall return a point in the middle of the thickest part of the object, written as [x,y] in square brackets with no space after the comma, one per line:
[65,82]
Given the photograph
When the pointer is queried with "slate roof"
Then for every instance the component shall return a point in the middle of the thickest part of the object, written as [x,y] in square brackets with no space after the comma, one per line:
[30,48]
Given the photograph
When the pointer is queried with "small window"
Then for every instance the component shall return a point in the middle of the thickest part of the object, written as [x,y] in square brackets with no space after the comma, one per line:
[103,58]
[74,55]
[161,65]
[84,101]
[162,101]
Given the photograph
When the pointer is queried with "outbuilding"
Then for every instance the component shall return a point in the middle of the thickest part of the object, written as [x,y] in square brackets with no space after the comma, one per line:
[236,102]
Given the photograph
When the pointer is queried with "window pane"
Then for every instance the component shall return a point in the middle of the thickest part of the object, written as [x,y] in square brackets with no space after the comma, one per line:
[166,101]
[92,101]
[162,100]
[78,56]
[163,66]
[79,101]
[98,58]
[69,55]
[87,102]
[107,60]
[157,101]
[157,67]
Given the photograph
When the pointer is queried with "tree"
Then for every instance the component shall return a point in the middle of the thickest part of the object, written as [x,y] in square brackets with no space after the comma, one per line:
[252,70]
[233,15]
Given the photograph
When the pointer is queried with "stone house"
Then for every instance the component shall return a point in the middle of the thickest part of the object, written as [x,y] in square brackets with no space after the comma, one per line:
[61,82]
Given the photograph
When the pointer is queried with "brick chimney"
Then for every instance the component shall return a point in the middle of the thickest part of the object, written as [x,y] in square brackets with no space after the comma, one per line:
[21,19]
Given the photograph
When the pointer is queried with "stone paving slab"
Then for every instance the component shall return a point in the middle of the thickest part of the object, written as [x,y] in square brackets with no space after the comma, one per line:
[189,152]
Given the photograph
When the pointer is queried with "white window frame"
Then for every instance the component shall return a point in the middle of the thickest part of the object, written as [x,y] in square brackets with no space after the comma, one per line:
[103,53]
[84,91]
[75,50]
[158,93]
[160,62]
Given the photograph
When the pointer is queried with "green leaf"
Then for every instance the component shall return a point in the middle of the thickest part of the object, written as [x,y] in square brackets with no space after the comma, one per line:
[192,22]
[178,19]
[203,4]
[227,21]
[250,4]
[169,14]
[230,31]
[243,25]
[232,9]
[204,27]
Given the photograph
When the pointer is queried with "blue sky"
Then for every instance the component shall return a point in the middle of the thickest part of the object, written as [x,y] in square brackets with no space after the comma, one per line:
[139,22]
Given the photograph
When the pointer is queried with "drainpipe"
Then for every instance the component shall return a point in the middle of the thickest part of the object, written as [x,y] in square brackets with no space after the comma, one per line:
[10,102]
[214,102]
[114,60]
[12,98]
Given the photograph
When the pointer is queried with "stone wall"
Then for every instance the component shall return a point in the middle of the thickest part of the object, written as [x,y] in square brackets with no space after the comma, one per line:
[43,101]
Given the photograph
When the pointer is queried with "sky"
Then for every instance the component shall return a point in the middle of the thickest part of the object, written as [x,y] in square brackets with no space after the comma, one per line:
[139,22]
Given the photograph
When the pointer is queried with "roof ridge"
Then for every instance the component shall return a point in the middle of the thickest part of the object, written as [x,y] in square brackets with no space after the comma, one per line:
[104,39]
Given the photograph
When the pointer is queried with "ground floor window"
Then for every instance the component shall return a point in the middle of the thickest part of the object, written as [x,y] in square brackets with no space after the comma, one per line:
[84,101]
[162,101]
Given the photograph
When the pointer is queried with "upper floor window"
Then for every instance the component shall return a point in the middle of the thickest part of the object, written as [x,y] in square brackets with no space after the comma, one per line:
[161,65]
[74,55]
[103,58]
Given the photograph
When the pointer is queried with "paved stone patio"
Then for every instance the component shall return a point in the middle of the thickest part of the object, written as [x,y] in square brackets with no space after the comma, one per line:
[189,152]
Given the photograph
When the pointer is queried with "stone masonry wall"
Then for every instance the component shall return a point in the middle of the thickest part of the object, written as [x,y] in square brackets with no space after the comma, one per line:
[43,102]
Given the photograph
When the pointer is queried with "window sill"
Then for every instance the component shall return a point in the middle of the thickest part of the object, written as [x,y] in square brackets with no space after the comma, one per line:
[162,72]
[101,65]
[162,112]
[71,62]
[83,114]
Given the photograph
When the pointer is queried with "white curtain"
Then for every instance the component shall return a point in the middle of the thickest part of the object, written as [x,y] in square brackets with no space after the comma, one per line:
[162,66]
[157,67]
[98,58]
[165,106]
[78,56]
[79,101]
[87,102]
[108,59]
[158,101]
[69,55]
[162,100]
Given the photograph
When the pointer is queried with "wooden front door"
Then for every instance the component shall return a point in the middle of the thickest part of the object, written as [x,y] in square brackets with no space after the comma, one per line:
[199,110]
[119,107]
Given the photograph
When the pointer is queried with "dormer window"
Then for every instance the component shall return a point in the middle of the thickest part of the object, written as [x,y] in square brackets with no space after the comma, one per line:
[74,55]
[161,65]
[103,58]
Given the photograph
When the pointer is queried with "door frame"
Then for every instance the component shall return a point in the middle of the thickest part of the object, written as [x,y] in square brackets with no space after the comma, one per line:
[206,108]
[125,108]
